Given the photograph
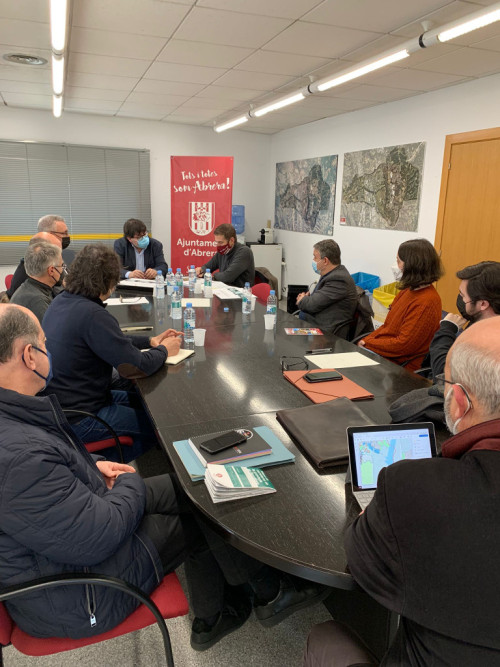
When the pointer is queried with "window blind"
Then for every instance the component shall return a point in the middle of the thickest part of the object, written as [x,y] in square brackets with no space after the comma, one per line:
[94,189]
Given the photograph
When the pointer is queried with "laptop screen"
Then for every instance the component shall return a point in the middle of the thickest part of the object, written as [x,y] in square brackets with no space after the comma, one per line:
[372,448]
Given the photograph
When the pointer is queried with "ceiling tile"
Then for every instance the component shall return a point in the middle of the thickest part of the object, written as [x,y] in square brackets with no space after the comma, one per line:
[85,111]
[109,43]
[492,44]
[415,79]
[7,86]
[381,16]
[102,81]
[153,98]
[254,80]
[95,105]
[189,73]
[323,41]
[220,27]
[25,33]
[375,48]
[76,92]
[422,55]
[168,87]
[27,100]
[25,9]
[139,111]
[377,93]
[24,73]
[219,105]
[89,64]
[449,12]
[223,92]
[208,55]
[280,63]
[464,62]
[147,17]
[290,9]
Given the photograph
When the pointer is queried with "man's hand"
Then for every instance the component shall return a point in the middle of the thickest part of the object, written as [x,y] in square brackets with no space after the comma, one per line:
[173,345]
[160,338]
[136,274]
[361,343]
[456,319]
[111,470]
[150,274]
[199,271]
[300,297]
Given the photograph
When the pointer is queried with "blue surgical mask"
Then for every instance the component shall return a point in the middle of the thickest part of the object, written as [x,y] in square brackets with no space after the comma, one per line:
[50,375]
[315,267]
[143,242]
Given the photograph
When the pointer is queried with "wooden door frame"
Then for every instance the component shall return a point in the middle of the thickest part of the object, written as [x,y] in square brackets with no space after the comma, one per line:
[452,140]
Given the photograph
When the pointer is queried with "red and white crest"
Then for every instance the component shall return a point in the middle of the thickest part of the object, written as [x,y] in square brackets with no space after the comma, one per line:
[201,217]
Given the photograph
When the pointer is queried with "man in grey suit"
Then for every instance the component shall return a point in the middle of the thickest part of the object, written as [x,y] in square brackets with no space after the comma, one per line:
[332,304]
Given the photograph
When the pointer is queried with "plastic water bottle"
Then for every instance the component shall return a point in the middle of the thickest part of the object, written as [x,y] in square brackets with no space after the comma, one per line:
[179,281]
[246,304]
[170,282]
[159,286]
[208,284]
[176,304]
[271,304]
[192,278]
[189,323]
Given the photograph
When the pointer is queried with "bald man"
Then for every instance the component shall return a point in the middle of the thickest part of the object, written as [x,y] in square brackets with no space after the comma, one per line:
[53,237]
[427,545]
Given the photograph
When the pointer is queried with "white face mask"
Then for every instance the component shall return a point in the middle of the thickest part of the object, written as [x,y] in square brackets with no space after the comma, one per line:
[452,426]
[396,272]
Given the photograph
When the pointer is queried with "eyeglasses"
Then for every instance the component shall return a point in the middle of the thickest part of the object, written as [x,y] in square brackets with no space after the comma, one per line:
[441,382]
[297,363]
[66,233]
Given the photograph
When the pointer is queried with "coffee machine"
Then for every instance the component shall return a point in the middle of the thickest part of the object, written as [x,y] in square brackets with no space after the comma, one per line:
[266,236]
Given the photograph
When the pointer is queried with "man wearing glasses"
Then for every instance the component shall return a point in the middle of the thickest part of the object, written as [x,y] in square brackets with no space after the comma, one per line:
[46,270]
[140,255]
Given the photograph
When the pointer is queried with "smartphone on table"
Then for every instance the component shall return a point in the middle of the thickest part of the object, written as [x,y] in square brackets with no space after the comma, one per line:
[322,376]
[223,441]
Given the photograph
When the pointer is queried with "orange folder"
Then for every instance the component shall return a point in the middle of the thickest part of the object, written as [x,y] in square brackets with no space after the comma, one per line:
[321,392]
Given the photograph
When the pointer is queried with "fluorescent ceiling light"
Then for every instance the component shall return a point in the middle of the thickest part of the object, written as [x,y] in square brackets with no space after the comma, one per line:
[58,24]
[278,105]
[57,105]
[468,26]
[377,64]
[230,124]
[57,75]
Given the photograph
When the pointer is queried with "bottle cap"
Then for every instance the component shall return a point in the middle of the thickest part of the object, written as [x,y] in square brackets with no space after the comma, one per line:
[159,273]
[272,293]
[247,285]
[179,270]
[189,305]
[192,266]
[226,309]
[207,271]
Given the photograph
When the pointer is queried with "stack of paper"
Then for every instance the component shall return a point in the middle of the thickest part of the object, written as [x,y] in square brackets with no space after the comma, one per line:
[232,482]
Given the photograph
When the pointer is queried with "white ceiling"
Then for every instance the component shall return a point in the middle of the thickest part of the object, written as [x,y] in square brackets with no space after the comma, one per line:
[203,61]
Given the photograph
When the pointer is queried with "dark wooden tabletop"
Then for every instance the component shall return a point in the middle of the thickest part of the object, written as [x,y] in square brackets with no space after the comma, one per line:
[236,381]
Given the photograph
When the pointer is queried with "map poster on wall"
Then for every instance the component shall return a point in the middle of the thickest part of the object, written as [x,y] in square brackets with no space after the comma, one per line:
[381,187]
[201,196]
[305,195]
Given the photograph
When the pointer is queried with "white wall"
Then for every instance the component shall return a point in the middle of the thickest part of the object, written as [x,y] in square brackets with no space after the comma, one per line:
[250,152]
[429,117]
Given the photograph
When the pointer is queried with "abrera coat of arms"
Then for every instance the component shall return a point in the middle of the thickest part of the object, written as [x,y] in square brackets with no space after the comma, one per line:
[201,217]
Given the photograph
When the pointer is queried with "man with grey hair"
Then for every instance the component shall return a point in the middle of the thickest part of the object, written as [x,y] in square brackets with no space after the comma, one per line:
[55,225]
[332,304]
[427,545]
[45,269]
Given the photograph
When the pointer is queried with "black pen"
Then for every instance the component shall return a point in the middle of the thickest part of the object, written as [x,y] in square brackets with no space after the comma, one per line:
[324,351]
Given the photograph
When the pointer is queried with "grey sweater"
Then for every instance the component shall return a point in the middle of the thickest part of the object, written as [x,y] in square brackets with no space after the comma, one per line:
[236,268]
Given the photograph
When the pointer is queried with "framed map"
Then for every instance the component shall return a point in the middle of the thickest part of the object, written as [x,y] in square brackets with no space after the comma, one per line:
[305,195]
[381,187]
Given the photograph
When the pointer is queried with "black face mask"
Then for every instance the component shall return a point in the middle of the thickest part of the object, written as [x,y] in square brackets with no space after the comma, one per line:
[62,275]
[462,309]
[66,240]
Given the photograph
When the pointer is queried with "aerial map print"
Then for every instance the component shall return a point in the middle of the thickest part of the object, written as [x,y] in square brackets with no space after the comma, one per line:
[305,195]
[381,187]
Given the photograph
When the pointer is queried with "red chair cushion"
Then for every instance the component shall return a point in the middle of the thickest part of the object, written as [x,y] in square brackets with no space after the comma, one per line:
[8,280]
[261,291]
[6,626]
[169,598]
[109,442]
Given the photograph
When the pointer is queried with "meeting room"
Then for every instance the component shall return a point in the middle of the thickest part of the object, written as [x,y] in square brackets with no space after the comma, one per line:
[249,344]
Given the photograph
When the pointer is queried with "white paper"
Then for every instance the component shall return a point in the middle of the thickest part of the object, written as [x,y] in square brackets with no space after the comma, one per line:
[138,282]
[340,360]
[196,303]
[116,301]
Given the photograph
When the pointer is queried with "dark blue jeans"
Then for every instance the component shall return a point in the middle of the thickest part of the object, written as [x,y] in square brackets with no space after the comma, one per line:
[127,417]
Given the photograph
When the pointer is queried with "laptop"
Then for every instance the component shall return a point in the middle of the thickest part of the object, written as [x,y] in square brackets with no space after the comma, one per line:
[372,448]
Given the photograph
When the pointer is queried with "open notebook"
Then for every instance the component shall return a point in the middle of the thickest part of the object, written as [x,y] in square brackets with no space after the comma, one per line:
[172,361]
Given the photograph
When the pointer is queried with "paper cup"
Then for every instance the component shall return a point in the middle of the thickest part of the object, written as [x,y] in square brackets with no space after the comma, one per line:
[198,288]
[269,321]
[254,299]
[199,337]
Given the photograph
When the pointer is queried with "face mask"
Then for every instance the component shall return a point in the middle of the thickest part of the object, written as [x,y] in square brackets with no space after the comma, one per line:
[62,275]
[50,375]
[315,267]
[143,242]
[396,272]
[462,309]
[452,426]
[66,240]
[223,249]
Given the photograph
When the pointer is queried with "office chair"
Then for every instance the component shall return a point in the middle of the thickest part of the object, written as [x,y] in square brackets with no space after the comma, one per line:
[166,601]
[114,441]
[262,291]
[8,280]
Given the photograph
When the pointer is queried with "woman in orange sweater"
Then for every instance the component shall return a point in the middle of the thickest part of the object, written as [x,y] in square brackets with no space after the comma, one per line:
[416,311]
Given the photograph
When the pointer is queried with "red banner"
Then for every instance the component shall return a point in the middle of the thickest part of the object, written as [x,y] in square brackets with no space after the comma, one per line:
[201,191]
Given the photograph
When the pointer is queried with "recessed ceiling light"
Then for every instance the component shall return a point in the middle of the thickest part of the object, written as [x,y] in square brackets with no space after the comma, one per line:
[24,59]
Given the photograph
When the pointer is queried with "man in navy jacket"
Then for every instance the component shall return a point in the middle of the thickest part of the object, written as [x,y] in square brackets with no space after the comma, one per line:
[140,255]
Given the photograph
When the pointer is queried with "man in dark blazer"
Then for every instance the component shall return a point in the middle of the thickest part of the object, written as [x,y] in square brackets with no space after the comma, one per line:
[332,304]
[140,256]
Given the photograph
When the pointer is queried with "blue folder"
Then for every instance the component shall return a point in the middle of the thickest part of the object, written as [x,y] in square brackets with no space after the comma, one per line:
[196,470]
